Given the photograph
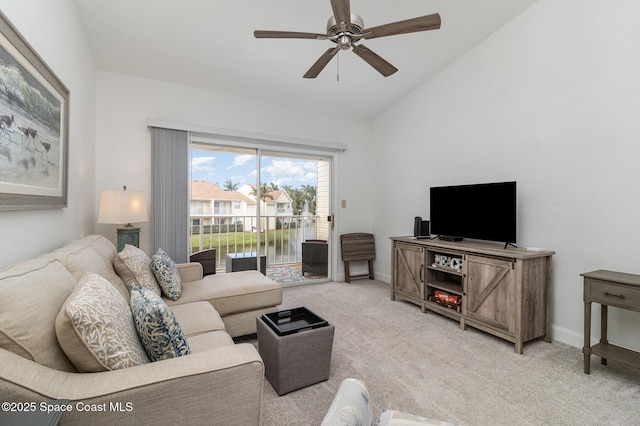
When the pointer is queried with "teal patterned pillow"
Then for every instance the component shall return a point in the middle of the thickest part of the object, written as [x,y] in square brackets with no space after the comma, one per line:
[157,327]
[166,272]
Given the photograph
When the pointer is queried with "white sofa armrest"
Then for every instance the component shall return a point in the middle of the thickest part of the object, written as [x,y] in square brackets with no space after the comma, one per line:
[218,387]
[190,271]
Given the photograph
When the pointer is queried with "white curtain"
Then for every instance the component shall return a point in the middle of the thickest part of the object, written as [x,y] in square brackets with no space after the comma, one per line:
[170,192]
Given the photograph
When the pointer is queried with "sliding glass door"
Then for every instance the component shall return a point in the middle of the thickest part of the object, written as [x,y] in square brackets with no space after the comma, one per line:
[268,207]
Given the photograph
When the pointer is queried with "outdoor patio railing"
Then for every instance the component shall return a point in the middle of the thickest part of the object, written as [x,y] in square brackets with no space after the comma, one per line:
[281,237]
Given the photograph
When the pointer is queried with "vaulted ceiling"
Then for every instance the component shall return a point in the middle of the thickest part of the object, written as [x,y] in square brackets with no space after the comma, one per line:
[210,44]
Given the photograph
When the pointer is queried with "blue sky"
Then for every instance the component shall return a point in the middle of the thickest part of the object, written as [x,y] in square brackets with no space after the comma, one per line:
[218,167]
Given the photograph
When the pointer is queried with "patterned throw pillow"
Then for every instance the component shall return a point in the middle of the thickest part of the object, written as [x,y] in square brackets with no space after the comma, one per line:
[134,267]
[157,327]
[95,328]
[166,272]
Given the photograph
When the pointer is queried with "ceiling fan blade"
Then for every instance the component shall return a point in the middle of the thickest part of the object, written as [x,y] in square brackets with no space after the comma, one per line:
[373,59]
[423,23]
[341,11]
[288,34]
[322,62]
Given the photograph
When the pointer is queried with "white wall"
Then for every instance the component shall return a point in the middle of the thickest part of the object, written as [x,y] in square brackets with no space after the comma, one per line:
[53,30]
[550,101]
[126,103]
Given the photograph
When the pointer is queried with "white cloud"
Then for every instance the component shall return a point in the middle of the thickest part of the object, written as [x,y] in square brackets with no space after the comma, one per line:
[203,165]
[310,177]
[283,168]
[283,172]
[241,160]
[240,168]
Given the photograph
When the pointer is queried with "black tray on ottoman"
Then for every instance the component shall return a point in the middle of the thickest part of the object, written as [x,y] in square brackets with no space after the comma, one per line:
[293,320]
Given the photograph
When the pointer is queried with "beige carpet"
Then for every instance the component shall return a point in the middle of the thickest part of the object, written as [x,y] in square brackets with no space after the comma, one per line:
[425,365]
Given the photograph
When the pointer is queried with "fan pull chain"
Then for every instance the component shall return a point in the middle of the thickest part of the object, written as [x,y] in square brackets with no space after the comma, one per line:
[338,66]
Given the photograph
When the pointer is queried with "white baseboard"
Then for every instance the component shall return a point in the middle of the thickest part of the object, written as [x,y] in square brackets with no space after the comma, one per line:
[385,278]
[570,337]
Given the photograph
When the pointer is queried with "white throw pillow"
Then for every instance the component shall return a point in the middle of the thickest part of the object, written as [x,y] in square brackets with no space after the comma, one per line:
[95,328]
[134,267]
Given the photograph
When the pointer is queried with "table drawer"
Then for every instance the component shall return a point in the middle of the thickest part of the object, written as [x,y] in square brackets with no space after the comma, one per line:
[615,295]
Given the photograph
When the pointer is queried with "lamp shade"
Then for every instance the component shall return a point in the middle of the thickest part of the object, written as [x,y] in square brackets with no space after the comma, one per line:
[122,207]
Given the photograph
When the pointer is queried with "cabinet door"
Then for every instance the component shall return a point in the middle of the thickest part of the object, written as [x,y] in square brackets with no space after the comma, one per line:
[490,294]
[408,270]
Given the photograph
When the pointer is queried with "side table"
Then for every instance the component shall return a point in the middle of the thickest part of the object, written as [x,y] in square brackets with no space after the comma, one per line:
[296,360]
[235,262]
[609,288]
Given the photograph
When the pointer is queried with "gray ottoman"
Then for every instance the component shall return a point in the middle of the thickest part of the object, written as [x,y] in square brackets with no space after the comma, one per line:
[296,360]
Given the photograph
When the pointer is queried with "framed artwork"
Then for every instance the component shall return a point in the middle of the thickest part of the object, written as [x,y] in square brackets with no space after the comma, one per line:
[34,127]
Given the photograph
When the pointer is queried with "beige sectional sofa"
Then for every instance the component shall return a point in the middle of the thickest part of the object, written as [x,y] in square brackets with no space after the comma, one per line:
[218,383]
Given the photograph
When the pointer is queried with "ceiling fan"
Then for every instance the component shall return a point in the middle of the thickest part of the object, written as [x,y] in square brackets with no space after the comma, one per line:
[345,29]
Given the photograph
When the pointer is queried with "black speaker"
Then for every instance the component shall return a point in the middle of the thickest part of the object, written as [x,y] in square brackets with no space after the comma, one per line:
[417,224]
[421,228]
[425,232]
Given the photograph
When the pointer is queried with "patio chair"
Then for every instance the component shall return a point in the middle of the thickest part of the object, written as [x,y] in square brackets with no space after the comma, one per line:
[315,257]
[207,258]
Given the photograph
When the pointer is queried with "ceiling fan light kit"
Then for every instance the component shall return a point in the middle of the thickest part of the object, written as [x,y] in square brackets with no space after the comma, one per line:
[353,28]
[345,29]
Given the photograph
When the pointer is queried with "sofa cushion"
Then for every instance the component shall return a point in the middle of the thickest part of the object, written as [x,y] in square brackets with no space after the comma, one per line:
[93,253]
[95,328]
[233,292]
[32,293]
[79,258]
[197,317]
[134,267]
[166,273]
[157,327]
[209,341]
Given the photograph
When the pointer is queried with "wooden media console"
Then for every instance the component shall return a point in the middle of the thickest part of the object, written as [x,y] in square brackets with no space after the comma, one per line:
[502,291]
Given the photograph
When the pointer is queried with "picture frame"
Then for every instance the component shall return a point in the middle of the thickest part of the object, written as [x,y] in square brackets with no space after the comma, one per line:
[34,127]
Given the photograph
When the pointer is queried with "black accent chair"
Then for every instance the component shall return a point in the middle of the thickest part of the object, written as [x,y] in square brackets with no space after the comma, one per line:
[315,257]
[207,258]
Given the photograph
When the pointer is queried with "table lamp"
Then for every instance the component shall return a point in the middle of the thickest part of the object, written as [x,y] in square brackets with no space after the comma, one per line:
[124,207]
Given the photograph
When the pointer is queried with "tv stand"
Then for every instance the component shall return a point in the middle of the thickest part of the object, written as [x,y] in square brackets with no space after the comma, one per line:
[449,238]
[502,291]
[510,244]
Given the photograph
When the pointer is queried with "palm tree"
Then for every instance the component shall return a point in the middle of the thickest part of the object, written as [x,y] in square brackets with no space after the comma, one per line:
[309,194]
[297,198]
[274,186]
[231,186]
[265,192]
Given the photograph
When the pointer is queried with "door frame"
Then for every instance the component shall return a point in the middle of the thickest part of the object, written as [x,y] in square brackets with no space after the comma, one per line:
[285,145]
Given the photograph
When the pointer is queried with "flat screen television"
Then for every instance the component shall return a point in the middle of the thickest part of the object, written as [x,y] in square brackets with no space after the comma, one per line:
[484,211]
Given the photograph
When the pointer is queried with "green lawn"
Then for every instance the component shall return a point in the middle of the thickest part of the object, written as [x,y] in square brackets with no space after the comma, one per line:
[235,241]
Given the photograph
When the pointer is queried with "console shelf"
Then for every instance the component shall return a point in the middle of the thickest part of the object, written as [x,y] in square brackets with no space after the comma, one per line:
[502,291]
[446,286]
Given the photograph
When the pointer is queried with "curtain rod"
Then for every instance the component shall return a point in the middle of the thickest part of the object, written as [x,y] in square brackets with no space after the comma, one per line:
[202,133]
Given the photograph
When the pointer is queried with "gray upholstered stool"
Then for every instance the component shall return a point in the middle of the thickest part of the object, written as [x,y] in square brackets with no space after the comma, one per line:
[296,360]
